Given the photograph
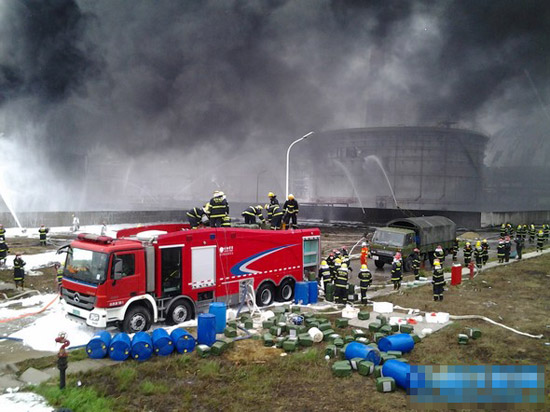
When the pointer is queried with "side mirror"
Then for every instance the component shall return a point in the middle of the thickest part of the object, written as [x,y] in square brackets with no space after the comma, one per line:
[117,266]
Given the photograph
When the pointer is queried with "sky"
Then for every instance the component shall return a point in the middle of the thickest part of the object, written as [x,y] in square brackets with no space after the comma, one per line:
[151,100]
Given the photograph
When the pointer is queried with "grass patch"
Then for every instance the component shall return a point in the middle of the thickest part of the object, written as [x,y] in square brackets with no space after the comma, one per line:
[149,388]
[85,399]
[126,377]
[50,361]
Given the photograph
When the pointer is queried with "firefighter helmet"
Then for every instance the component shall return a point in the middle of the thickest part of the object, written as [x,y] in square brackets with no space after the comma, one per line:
[364,244]
[337,261]
[364,267]
[398,256]
[484,240]
[416,250]
[468,244]
[291,197]
[259,207]
[271,194]
[437,262]
[344,266]
[324,264]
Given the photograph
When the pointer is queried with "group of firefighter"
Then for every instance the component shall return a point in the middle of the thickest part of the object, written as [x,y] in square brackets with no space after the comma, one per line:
[215,213]
[335,268]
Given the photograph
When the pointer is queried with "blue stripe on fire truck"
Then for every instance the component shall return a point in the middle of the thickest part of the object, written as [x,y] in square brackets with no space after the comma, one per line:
[241,268]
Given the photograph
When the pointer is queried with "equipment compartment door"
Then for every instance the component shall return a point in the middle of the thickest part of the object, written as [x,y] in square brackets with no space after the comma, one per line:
[203,266]
[171,271]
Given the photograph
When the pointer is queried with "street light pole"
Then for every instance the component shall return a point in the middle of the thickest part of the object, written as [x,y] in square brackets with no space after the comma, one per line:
[288,157]
[258,182]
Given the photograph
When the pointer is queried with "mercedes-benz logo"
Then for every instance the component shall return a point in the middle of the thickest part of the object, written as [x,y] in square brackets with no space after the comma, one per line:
[76,297]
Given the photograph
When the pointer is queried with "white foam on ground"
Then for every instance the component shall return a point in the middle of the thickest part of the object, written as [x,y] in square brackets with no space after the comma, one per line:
[24,305]
[23,402]
[38,261]
[41,334]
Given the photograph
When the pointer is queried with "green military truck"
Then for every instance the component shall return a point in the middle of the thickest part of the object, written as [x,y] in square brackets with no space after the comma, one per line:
[403,235]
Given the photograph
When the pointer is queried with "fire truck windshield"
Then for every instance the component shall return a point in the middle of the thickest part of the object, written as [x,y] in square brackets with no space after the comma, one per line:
[86,266]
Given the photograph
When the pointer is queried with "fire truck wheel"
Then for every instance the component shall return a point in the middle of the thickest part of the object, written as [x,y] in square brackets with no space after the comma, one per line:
[379,264]
[180,312]
[136,320]
[265,294]
[285,291]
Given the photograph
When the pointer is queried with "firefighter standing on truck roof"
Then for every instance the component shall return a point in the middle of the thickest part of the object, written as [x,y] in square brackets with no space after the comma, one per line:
[194,216]
[397,272]
[250,214]
[275,215]
[415,259]
[217,208]
[365,280]
[341,285]
[438,281]
[19,271]
[273,198]
[325,275]
[43,231]
[291,212]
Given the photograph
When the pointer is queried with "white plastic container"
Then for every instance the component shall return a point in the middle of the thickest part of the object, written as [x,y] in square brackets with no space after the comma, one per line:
[442,317]
[350,312]
[316,334]
[383,307]
[431,317]
[266,315]
[426,332]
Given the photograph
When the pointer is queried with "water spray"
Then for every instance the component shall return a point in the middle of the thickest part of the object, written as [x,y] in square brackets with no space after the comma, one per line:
[379,163]
[339,163]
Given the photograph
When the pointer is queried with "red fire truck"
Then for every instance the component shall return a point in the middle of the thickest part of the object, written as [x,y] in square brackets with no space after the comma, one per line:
[170,273]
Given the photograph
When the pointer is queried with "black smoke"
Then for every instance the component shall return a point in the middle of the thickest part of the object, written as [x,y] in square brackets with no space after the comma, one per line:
[167,80]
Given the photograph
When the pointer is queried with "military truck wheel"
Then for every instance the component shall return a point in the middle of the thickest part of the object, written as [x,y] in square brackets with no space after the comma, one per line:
[180,312]
[379,264]
[285,291]
[407,265]
[265,294]
[136,320]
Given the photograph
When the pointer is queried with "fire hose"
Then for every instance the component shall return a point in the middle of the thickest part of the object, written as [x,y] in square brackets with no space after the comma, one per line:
[30,314]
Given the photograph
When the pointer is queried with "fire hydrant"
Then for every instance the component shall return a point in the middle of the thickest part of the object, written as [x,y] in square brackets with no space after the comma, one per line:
[62,358]
[471,266]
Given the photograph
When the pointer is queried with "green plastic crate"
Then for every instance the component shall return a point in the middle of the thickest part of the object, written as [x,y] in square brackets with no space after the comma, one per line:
[363,315]
[382,319]
[232,324]
[248,324]
[415,337]
[266,324]
[339,342]
[365,367]
[218,348]
[325,326]
[362,339]
[305,339]
[296,309]
[404,328]
[385,329]
[377,371]
[279,341]
[230,332]
[268,339]
[375,326]
[327,333]
[385,384]
[203,350]
[396,353]
[290,345]
[377,336]
[341,369]
[331,351]
[354,362]
[348,338]
[342,323]
[278,310]
[385,357]
[276,330]
[358,333]
[474,333]
[463,339]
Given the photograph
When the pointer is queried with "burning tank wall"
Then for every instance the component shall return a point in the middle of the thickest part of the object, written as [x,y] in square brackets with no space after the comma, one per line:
[427,168]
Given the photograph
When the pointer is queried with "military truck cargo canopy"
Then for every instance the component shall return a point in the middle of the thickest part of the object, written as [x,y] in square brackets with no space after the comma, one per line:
[429,229]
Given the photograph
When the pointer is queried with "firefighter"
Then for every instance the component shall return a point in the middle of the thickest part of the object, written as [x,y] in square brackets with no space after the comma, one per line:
[502,230]
[336,268]
[4,250]
[325,275]
[291,212]
[272,198]
[509,229]
[344,251]
[520,243]
[438,281]
[500,250]
[19,271]
[341,285]
[439,253]
[103,229]
[519,230]
[507,248]
[226,221]
[59,275]
[274,215]
[43,231]
[345,259]
[76,223]
[415,259]
[397,273]
[540,240]
[478,254]
[2,232]
[546,232]
[485,255]
[330,260]
[250,214]
[467,253]
[365,280]
[217,209]
[364,253]
[524,232]
[532,233]
[455,249]
[194,216]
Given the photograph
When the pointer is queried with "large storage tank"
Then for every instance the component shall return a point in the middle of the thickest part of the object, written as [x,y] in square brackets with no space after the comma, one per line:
[427,168]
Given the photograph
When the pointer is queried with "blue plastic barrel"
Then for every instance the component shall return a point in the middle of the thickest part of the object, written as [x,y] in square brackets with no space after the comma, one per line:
[142,346]
[184,342]
[400,371]
[313,289]
[402,342]
[206,329]
[301,293]
[219,310]
[162,342]
[98,345]
[119,349]
[360,350]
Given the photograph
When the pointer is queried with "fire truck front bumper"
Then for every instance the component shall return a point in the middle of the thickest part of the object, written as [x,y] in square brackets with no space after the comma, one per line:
[96,317]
